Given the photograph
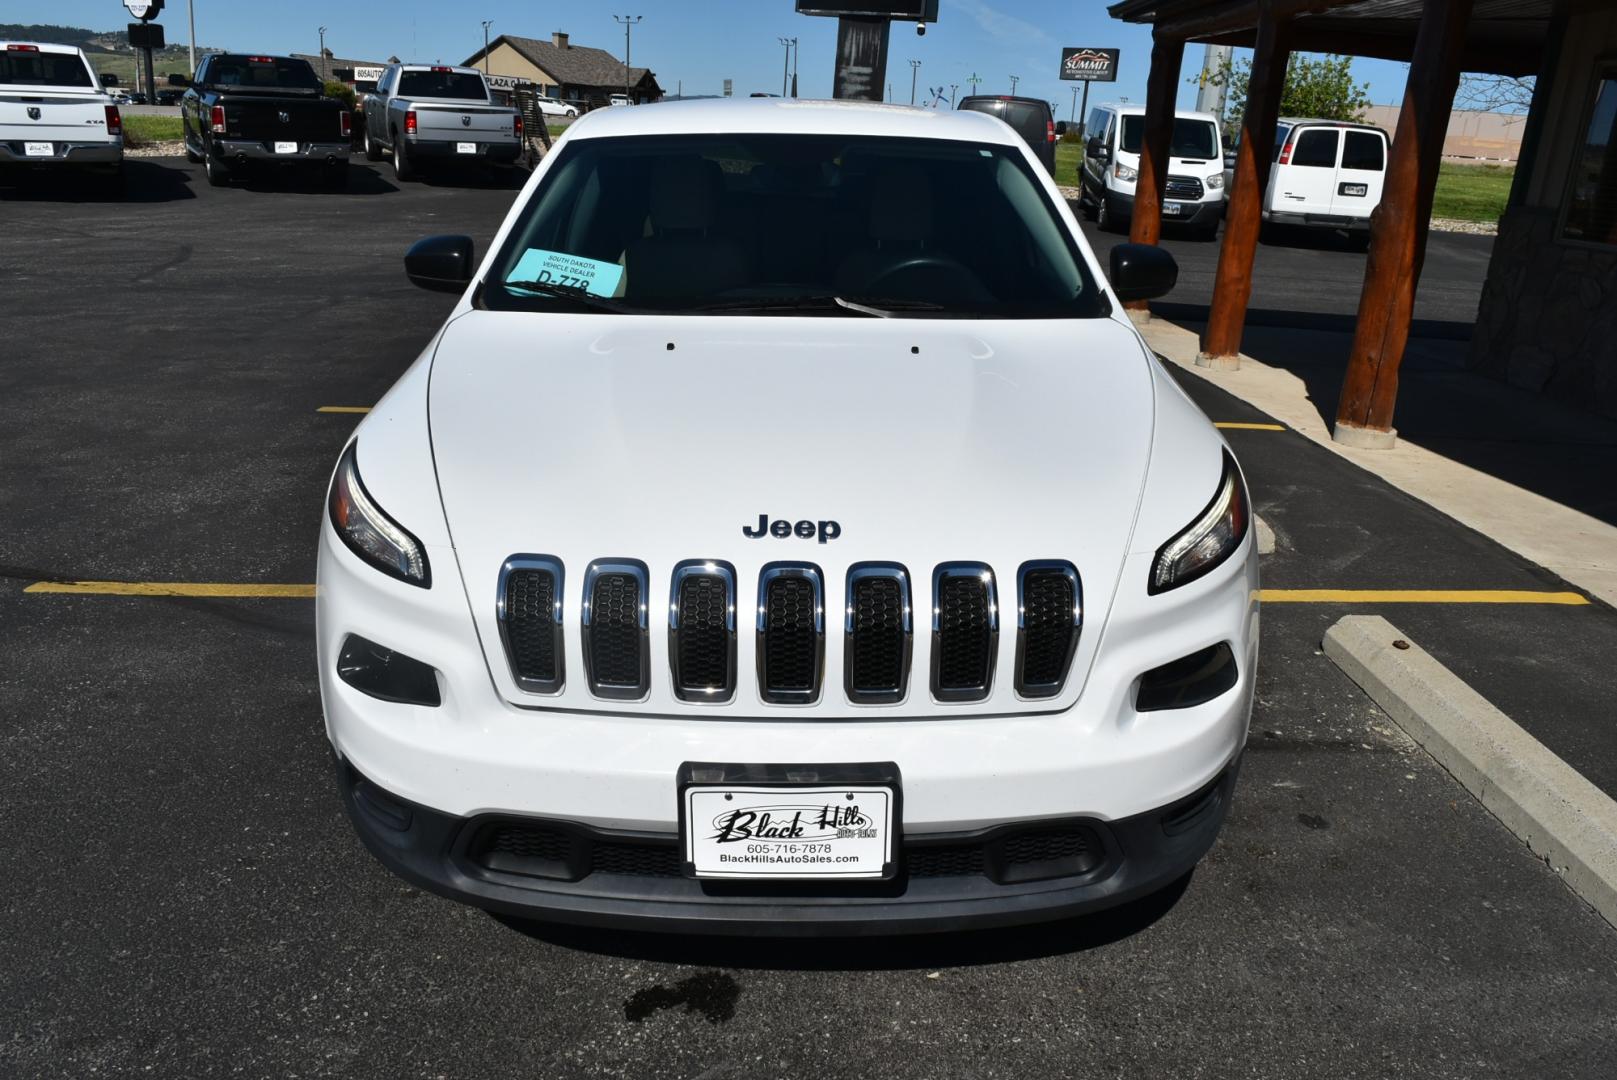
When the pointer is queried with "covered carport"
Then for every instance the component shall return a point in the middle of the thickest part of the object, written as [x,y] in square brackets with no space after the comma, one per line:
[1439,39]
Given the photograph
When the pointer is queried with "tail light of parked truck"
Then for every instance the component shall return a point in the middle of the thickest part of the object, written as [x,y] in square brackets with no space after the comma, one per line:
[115,121]
[410,123]
[516,127]
[216,119]
[1049,131]
[347,123]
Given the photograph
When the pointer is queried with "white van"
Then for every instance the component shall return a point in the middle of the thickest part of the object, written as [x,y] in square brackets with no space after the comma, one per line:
[1326,174]
[1195,191]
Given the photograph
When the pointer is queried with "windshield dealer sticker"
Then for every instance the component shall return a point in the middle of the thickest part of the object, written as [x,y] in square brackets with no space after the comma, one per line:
[568,271]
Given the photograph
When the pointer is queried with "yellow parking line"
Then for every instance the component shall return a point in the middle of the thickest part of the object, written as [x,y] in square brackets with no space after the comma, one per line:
[344,408]
[1231,425]
[1419,596]
[171,588]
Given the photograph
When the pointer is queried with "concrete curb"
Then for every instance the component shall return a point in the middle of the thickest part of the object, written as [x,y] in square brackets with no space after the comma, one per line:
[1562,816]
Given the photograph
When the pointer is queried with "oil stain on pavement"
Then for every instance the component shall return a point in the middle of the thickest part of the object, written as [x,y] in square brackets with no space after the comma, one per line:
[711,993]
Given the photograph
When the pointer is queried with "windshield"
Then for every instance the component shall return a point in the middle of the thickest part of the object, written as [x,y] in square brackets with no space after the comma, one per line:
[18,68]
[442,84]
[792,224]
[1191,138]
[262,72]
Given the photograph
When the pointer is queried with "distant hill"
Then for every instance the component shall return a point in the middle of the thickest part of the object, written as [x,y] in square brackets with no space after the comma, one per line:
[58,35]
[108,50]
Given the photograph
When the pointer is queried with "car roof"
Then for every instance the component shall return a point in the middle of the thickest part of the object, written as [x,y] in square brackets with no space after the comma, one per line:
[789,116]
[456,68]
[1296,121]
[1005,97]
[1139,110]
[46,46]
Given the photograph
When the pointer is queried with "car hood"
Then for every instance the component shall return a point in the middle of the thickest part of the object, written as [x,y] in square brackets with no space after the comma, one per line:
[585,437]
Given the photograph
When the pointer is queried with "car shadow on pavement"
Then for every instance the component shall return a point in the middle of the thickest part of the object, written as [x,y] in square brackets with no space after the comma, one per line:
[362,180]
[144,181]
[480,178]
[892,952]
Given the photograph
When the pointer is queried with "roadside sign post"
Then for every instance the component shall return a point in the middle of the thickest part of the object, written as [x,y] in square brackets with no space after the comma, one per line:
[863,29]
[145,37]
[1086,65]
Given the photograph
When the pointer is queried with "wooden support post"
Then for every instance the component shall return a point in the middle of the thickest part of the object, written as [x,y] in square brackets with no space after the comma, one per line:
[1398,229]
[1243,217]
[1161,91]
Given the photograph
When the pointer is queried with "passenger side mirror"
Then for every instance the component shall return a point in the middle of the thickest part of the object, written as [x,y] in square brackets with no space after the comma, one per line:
[1142,272]
[440,263]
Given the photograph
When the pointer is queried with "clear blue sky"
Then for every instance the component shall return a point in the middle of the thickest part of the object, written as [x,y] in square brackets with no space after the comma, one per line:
[697,42]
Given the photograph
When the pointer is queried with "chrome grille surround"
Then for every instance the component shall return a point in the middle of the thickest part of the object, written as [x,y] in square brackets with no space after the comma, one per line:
[686,687]
[598,635]
[1042,687]
[954,578]
[543,564]
[867,695]
[773,580]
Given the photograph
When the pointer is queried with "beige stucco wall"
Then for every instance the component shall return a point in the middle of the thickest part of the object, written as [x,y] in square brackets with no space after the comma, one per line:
[1494,136]
[504,60]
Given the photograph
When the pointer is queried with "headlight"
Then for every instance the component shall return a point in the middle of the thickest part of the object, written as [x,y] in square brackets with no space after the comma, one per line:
[1123,172]
[1207,541]
[368,532]
[1215,181]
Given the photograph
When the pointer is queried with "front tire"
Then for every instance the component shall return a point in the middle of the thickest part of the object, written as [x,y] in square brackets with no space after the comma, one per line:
[1105,220]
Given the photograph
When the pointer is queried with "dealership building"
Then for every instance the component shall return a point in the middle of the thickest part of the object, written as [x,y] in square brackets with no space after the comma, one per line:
[578,74]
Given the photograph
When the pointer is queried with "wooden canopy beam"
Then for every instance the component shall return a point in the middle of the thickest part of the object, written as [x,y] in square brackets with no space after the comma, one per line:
[1243,217]
[1398,229]
[1161,92]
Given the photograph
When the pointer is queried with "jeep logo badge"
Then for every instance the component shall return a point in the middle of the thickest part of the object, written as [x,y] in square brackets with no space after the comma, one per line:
[782,529]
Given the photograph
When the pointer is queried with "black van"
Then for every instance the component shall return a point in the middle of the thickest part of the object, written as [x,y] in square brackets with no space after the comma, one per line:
[1030,117]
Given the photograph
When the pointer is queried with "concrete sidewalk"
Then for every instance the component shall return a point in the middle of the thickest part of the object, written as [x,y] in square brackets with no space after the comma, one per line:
[1506,462]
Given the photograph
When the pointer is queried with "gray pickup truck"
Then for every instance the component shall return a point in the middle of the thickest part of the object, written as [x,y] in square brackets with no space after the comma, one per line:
[432,112]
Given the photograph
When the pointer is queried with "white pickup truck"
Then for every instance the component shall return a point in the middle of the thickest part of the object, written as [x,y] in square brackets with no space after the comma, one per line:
[433,111]
[53,111]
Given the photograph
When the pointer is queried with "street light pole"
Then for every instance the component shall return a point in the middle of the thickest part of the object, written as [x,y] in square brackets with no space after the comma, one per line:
[323,76]
[486,24]
[952,88]
[191,13]
[974,80]
[628,22]
[1014,80]
[786,65]
[915,70]
[796,49]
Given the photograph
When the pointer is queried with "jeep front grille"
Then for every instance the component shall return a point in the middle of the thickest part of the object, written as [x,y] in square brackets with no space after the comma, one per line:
[529,610]
[1049,616]
[702,631]
[965,631]
[616,645]
[877,634]
[791,633]
[1186,188]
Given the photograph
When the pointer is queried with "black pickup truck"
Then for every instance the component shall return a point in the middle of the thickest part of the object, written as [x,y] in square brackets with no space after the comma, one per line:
[243,111]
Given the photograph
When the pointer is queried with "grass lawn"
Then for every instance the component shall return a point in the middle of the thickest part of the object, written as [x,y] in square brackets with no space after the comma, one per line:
[1068,155]
[141,130]
[1472,192]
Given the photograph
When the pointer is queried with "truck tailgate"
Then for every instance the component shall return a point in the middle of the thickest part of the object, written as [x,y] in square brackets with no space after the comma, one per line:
[63,117]
[468,123]
[302,120]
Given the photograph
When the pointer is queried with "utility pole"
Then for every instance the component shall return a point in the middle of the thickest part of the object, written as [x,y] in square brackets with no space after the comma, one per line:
[1210,88]
[1072,118]
[974,80]
[786,64]
[628,22]
[952,88]
[796,50]
[323,65]
[1014,80]
[486,24]
[915,70]
[191,13]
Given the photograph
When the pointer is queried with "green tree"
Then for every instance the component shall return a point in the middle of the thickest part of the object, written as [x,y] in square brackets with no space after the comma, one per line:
[1316,89]
[341,91]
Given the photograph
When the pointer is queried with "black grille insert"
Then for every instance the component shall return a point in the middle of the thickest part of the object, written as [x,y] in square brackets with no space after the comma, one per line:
[529,610]
[876,655]
[1049,618]
[701,631]
[965,631]
[1184,187]
[791,633]
[1034,855]
[615,643]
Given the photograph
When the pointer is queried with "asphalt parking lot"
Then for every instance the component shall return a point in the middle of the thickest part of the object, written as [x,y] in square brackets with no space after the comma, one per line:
[184,897]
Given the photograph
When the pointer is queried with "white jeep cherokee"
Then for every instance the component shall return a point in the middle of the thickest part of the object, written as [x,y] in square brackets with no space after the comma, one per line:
[788,533]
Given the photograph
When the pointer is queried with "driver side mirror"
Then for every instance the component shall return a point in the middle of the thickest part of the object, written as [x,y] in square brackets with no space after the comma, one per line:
[440,263]
[1142,272]
[1099,150]
[180,81]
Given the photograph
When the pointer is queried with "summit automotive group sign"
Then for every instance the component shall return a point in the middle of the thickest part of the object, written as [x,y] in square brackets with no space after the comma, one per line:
[1089,65]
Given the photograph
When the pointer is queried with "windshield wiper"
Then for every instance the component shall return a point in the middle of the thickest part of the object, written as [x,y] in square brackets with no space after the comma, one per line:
[568,292]
[878,307]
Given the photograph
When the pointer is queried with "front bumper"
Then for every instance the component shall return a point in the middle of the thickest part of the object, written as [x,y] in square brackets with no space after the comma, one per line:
[501,153]
[233,150]
[1198,214]
[632,881]
[65,153]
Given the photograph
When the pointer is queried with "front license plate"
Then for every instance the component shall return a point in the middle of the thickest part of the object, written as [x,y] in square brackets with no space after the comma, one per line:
[286,148]
[820,832]
[465,148]
[38,149]
[1173,209]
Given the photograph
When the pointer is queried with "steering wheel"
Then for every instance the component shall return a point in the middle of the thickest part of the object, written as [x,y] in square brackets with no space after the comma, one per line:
[968,283]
